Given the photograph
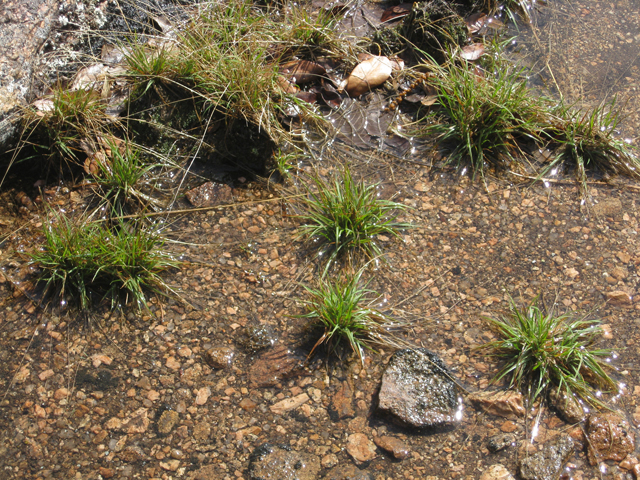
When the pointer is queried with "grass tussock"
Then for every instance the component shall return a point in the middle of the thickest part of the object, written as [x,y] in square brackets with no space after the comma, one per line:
[586,141]
[229,57]
[58,122]
[486,118]
[542,350]
[342,309]
[86,262]
[344,217]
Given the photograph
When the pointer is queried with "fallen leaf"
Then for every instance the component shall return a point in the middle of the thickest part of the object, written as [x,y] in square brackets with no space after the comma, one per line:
[472,52]
[330,95]
[302,71]
[309,97]
[396,12]
[476,22]
[368,74]
[285,85]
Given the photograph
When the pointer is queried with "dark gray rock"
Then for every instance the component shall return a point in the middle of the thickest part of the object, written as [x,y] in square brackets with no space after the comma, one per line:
[417,389]
[547,464]
[275,463]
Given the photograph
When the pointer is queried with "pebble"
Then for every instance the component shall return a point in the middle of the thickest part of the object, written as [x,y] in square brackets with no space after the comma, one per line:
[496,472]
[219,357]
[393,445]
[361,448]
[610,437]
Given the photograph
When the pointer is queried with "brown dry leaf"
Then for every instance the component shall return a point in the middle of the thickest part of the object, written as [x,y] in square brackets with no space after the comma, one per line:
[368,74]
[302,71]
[396,12]
[476,22]
[429,100]
[472,52]
[330,95]
[309,97]
[286,85]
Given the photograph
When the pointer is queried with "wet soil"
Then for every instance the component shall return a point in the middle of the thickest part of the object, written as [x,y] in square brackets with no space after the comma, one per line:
[128,395]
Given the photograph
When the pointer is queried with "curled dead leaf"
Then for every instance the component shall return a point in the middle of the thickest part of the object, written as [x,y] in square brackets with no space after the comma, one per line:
[396,12]
[368,75]
[472,52]
[285,85]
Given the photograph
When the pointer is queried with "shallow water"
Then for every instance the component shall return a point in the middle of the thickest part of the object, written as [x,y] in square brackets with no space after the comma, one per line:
[588,52]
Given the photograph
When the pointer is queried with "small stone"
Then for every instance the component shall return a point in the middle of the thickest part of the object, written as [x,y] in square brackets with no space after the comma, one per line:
[342,402]
[289,404]
[61,393]
[153,395]
[619,273]
[394,446]
[99,359]
[46,375]
[568,406]
[170,465]
[132,454]
[418,391]
[184,352]
[202,395]
[361,448]
[500,442]
[329,461]
[496,472]
[138,423]
[546,464]
[619,297]
[247,404]
[173,364]
[167,421]
[609,438]
[506,404]
[106,472]
[268,461]
[209,194]
[219,357]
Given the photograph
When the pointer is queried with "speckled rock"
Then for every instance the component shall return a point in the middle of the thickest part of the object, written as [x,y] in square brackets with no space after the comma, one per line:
[500,442]
[418,391]
[609,438]
[25,27]
[567,406]
[347,472]
[219,357]
[546,464]
[275,463]
[167,421]
[209,194]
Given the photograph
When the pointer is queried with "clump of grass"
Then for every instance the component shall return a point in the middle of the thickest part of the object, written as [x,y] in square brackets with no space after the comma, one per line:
[340,308]
[344,216]
[119,173]
[485,117]
[545,350]
[81,261]
[587,141]
[63,119]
